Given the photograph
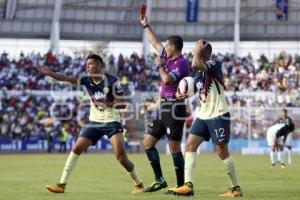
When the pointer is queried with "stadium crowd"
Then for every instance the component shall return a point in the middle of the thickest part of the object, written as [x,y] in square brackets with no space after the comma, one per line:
[31,117]
[27,116]
[245,74]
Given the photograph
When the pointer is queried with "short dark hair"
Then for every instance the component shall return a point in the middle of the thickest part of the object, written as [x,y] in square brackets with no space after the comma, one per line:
[96,58]
[177,41]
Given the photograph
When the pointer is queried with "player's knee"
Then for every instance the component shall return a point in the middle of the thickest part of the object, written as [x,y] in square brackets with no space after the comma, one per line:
[273,148]
[77,150]
[121,156]
[281,148]
[190,147]
[223,154]
[147,144]
[175,148]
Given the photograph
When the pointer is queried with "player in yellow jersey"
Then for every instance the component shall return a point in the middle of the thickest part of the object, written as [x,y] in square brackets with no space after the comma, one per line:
[106,98]
[213,120]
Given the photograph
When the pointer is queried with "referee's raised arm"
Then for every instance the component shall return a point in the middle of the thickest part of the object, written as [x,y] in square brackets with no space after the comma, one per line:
[150,34]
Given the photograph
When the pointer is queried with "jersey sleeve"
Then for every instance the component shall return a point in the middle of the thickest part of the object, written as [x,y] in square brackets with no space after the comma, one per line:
[198,76]
[213,67]
[84,81]
[180,71]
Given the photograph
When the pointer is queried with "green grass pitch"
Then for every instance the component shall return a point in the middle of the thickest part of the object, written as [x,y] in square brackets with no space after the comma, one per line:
[99,176]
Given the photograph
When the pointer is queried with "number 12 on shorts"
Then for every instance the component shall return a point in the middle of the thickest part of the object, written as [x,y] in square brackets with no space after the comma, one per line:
[220,135]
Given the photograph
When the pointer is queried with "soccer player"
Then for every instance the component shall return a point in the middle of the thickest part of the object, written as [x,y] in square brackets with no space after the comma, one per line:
[172,67]
[289,140]
[276,137]
[212,121]
[106,97]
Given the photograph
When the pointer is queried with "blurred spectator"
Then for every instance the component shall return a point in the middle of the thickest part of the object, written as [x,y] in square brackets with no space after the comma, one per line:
[63,139]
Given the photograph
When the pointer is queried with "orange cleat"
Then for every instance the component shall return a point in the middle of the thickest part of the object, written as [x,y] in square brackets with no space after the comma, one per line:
[138,189]
[233,192]
[185,190]
[59,188]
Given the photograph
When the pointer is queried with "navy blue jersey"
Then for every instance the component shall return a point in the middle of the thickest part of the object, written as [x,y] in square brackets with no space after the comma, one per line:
[288,125]
[105,91]
[287,121]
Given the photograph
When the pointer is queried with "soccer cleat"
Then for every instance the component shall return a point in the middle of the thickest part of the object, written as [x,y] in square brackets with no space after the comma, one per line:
[59,188]
[185,190]
[273,165]
[233,192]
[282,165]
[169,191]
[156,186]
[138,189]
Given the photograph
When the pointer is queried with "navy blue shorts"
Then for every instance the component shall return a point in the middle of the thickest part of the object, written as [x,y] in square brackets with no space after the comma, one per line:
[218,129]
[94,131]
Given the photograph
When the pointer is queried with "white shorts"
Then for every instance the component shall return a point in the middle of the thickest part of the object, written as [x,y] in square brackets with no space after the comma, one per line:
[289,140]
[271,135]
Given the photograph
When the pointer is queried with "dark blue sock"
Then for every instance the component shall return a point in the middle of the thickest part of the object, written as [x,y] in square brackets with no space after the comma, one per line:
[153,157]
[179,167]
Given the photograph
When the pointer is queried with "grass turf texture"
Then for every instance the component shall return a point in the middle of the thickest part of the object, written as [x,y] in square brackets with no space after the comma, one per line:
[99,176]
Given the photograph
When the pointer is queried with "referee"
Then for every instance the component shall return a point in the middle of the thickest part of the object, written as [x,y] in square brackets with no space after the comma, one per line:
[172,67]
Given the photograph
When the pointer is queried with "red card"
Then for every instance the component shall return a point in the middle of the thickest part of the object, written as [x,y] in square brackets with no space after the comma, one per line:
[143,10]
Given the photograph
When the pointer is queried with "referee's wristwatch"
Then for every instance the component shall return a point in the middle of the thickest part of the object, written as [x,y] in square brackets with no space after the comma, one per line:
[159,66]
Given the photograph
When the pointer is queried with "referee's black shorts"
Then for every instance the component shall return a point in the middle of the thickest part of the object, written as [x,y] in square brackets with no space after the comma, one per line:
[170,121]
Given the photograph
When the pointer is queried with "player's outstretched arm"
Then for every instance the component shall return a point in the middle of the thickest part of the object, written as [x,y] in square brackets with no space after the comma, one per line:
[150,34]
[198,62]
[60,77]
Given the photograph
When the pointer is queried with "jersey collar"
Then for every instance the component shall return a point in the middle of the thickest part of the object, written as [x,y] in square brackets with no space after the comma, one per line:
[96,83]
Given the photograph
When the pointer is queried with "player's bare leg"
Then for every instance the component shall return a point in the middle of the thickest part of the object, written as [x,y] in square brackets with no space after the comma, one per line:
[81,145]
[117,142]
[234,190]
